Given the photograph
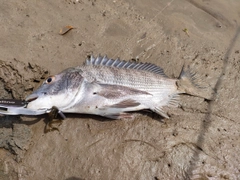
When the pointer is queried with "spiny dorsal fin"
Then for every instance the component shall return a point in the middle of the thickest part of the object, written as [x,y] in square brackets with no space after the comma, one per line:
[105,61]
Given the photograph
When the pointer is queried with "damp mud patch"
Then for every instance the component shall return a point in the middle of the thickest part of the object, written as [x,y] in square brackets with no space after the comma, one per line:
[17,80]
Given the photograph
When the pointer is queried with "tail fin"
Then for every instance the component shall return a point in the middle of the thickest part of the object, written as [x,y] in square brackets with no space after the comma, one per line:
[192,84]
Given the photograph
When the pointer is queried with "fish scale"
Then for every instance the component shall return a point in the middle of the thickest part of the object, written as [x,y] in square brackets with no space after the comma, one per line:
[127,77]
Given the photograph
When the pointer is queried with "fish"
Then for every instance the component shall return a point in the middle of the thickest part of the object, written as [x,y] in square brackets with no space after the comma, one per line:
[113,89]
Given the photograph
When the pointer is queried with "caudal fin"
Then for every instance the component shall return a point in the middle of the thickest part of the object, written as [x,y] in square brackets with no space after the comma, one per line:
[190,83]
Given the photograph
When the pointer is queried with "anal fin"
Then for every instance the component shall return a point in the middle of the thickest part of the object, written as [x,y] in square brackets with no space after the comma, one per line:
[160,112]
[173,102]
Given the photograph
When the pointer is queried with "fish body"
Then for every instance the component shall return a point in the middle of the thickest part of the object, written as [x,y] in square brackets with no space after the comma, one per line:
[111,88]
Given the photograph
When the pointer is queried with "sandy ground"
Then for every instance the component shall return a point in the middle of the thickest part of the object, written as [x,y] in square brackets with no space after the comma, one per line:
[199,141]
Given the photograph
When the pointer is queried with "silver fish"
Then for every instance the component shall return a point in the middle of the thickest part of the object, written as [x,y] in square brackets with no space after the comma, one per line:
[111,88]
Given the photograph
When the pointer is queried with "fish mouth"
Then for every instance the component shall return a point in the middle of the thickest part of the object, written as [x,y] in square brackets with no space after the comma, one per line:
[31,98]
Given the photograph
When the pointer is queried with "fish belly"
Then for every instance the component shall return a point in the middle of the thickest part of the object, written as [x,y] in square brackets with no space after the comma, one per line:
[113,101]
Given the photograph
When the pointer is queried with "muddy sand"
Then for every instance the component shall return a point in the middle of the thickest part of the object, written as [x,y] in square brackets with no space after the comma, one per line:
[199,141]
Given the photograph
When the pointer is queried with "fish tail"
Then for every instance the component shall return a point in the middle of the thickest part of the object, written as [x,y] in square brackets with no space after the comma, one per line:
[191,83]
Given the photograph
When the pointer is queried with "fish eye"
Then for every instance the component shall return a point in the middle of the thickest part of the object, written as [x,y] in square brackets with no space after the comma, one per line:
[50,79]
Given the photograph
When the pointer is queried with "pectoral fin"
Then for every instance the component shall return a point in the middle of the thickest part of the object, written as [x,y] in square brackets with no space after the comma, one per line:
[128,103]
[125,104]
[117,91]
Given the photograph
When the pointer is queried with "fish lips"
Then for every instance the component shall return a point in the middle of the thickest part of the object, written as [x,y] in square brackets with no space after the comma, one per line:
[31,98]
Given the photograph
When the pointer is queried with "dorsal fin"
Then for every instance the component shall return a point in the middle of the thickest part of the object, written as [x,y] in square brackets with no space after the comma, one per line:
[105,61]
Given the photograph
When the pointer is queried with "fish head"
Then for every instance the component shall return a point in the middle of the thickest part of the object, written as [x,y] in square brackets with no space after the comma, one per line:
[58,90]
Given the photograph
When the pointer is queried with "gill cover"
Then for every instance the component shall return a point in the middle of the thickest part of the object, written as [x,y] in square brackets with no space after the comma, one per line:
[56,90]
